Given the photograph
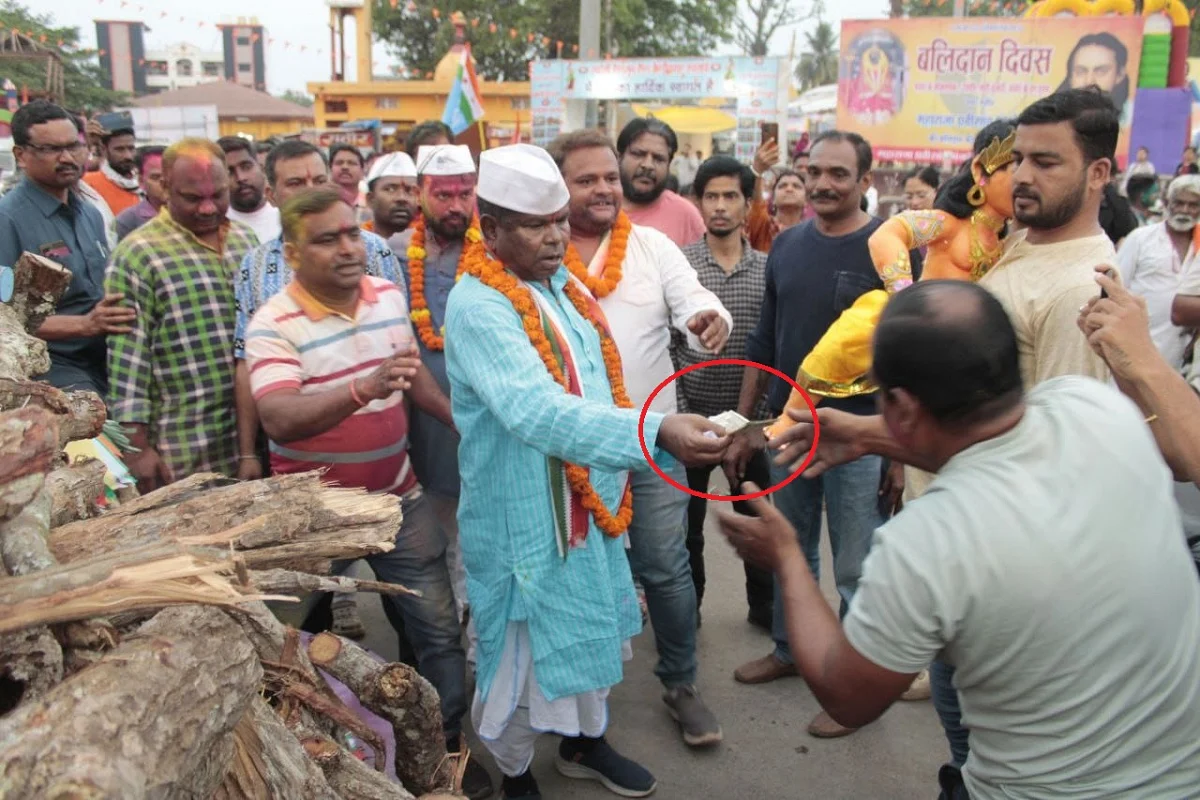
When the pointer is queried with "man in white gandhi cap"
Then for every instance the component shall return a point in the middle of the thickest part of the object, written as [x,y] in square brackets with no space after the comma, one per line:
[430,254]
[392,195]
[549,438]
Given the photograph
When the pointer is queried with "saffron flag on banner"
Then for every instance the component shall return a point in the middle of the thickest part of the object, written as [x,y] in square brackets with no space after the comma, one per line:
[464,106]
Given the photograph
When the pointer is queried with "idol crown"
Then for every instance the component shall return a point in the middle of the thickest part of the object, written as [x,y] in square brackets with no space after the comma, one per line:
[997,154]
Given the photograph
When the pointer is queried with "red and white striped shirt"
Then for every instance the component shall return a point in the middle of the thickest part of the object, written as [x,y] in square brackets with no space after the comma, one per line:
[296,342]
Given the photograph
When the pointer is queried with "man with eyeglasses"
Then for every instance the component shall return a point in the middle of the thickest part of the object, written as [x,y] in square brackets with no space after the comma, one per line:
[43,215]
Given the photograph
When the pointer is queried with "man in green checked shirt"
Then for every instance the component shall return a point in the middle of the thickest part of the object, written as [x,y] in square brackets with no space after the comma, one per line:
[171,377]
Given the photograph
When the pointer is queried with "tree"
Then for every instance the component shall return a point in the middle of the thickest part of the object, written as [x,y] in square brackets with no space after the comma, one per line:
[973,8]
[819,63]
[506,36]
[83,80]
[755,30]
[299,98]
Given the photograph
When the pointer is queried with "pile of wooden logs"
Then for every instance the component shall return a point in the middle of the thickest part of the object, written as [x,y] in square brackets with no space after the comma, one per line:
[137,657]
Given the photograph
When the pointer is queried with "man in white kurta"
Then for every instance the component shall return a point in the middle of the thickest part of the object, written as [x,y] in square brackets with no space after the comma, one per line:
[650,295]
[554,620]
[1157,262]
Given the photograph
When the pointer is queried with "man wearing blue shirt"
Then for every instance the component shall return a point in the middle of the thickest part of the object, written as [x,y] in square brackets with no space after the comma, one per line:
[44,215]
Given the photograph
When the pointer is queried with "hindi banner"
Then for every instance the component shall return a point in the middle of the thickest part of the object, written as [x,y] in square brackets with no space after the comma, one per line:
[920,88]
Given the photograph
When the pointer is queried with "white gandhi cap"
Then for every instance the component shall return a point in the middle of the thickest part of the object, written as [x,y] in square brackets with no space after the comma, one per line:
[445,159]
[392,165]
[523,178]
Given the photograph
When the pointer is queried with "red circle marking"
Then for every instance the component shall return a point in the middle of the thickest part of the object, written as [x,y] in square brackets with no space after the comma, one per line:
[812,451]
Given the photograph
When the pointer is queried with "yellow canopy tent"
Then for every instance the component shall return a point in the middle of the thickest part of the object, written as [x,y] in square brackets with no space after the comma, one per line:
[690,119]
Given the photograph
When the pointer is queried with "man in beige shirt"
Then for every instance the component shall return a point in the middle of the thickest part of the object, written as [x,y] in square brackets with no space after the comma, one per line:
[1064,153]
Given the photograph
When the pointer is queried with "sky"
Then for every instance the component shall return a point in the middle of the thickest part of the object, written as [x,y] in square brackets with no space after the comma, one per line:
[306,22]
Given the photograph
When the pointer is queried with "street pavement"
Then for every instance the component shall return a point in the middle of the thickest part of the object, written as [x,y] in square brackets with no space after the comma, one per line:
[767,752]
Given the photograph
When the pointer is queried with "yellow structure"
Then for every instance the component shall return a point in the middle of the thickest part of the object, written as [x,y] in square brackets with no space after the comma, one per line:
[404,103]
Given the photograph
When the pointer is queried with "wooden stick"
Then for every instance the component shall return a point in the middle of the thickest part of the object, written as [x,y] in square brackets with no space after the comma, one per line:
[75,491]
[38,283]
[289,582]
[402,697]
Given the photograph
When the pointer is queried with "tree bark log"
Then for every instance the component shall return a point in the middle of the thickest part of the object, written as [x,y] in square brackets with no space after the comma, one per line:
[28,449]
[38,283]
[21,355]
[151,719]
[299,584]
[75,491]
[269,762]
[285,511]
[402,697]
[31,664]
[349,777]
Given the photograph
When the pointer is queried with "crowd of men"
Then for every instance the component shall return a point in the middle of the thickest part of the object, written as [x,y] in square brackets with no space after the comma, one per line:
[478,339]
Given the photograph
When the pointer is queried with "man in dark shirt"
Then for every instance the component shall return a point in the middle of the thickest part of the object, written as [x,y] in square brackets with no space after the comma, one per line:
[815,271]
[44,215]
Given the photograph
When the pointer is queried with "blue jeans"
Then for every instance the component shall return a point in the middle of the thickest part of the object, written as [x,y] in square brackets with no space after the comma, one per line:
[945,701]
[430,622]
[850,494]
[658,556]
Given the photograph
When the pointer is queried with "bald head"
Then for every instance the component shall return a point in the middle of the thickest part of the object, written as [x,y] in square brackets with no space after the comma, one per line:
[951,346]
[197,184]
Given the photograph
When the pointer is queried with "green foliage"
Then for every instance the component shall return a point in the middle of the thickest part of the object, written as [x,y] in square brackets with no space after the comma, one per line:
[973,8]
[755,29]
[299,98]
[83,80]
[639,28]
[818,64]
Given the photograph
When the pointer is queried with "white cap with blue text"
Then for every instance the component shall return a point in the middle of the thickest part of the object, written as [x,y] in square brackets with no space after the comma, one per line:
[445,159]
[523,178]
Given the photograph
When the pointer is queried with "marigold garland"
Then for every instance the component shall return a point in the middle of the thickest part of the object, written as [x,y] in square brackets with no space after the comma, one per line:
[603,284]
[422,319]
[492,273]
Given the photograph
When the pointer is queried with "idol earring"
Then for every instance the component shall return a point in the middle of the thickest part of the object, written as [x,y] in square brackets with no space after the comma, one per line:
[976,196]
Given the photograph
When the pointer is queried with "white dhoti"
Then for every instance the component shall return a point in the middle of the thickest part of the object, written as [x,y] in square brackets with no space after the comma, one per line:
[516,712]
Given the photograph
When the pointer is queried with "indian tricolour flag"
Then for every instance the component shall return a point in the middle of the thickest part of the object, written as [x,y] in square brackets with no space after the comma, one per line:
[464,106]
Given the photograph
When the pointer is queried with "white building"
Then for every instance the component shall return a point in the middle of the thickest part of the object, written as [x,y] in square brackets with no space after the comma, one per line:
[182,65]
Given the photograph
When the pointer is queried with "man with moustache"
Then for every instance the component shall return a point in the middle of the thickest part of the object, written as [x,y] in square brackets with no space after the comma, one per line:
[647,289]
[292,167]
[1064,150]
[550,583]
[392,195]
[431,254]
[150,178]
[42,214]
[645,149]
[330,405]
[347,168]
[730,268]
[1157,263]
[171,376]
[815,271]
[116,181]
[248,189]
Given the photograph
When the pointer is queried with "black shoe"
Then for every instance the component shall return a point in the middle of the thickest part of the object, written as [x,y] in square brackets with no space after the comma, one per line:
[522,786]
[761,618]
[594,760]
[476,783]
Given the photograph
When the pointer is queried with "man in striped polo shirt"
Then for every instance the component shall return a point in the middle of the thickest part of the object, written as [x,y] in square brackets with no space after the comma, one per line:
[331,358]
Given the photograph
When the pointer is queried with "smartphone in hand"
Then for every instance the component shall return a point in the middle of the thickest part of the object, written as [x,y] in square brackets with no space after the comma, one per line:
[770,131]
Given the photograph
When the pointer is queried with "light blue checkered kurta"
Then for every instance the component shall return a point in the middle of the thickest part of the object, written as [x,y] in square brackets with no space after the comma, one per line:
[511,414]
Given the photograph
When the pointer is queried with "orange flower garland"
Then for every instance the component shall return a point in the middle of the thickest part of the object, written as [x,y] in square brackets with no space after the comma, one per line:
[492,273]
[422,319]
[604,284]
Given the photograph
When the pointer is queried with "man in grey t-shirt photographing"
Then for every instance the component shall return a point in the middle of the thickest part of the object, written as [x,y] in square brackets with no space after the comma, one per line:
[1076,644]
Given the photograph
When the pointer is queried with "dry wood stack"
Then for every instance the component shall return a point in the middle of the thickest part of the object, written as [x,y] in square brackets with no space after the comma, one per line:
[137,659]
